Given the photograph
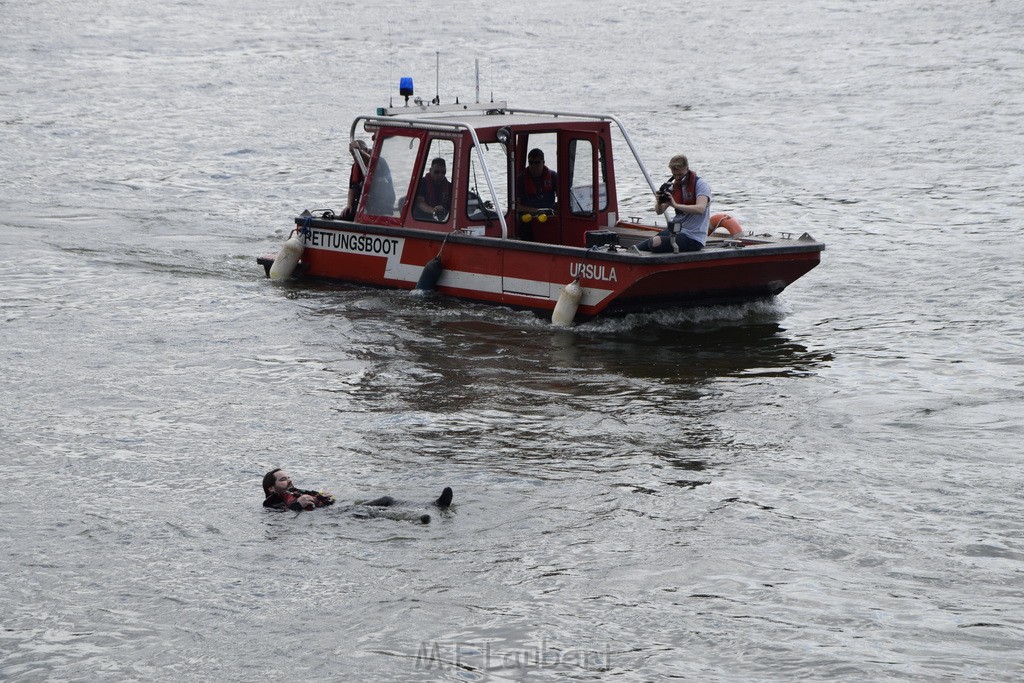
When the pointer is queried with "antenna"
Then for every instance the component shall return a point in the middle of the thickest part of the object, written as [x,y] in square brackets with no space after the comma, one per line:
[391,68]
[478,80]
[437,77]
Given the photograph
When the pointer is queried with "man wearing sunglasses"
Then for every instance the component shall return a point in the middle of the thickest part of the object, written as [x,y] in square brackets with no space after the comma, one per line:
[434,197]
[537,190]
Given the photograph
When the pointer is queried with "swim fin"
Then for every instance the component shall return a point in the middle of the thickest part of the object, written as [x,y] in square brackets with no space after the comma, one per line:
[446,498]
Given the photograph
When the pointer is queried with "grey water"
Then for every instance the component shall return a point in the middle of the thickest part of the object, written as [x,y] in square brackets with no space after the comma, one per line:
[825,487]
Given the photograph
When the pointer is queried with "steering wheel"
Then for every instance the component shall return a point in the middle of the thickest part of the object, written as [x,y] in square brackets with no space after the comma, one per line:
[479,209]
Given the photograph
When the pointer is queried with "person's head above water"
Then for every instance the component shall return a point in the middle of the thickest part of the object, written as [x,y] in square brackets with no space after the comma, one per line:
[276,481]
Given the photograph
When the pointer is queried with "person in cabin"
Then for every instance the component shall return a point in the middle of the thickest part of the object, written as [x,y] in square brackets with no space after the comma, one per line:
[434,195]
[537,188]
[359,150]
[380,199]
[280,493]
[690,196]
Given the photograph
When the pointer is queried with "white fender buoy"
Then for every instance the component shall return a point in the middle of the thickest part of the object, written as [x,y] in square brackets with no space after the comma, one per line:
[287,258]
[568,303]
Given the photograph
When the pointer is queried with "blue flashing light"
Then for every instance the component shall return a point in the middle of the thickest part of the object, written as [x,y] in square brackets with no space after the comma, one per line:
[405,86]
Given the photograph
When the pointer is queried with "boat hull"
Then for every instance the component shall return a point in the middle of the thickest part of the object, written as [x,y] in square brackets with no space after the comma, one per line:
[531,275]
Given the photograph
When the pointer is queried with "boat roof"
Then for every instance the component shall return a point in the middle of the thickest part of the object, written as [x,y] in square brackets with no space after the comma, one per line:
[475,116]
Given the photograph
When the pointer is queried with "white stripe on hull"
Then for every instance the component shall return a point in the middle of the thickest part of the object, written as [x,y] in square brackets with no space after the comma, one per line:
[391,249]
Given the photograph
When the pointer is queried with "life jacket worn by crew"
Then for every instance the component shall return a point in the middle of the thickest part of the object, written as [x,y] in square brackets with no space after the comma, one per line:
[356,178]
[290,499]
[436,193]
[684,190]
[540,192]
[355,191]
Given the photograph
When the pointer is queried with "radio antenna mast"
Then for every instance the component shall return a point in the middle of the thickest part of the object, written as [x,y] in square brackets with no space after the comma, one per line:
[391,68]
[437,77]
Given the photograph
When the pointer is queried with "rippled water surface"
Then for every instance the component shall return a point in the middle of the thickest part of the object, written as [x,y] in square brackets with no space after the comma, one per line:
[826,486]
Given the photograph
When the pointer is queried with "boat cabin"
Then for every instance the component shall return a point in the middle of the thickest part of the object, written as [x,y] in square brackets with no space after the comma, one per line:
[469,170]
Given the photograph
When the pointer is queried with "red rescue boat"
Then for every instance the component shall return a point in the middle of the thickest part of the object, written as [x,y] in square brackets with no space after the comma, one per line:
[477,246]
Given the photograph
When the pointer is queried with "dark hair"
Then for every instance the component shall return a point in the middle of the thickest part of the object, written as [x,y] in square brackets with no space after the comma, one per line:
[269,480]
[535,153]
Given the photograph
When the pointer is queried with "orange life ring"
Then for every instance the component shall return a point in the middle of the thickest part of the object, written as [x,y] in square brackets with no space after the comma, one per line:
[724,220]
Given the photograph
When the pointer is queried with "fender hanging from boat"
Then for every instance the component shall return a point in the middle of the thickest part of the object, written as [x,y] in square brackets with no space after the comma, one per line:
[568,303]
[288,257]
[430,275]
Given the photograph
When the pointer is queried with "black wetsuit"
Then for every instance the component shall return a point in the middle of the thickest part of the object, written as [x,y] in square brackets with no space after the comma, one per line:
[290,499]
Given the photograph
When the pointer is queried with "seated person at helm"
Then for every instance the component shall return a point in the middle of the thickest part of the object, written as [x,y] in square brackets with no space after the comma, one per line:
[537,186]
[434,195]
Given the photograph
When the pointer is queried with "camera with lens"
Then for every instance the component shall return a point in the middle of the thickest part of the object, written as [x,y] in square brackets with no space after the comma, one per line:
[665,193]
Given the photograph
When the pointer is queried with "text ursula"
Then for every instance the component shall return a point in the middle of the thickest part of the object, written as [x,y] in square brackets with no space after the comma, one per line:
[591,271]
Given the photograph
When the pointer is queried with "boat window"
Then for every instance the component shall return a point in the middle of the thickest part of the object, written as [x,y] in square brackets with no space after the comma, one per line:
[602,168]
[547,143]
[479,203]
[391,176]
[581,178]
[433,200]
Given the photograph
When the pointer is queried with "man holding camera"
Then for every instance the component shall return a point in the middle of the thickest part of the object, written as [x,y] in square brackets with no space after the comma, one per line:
[690,196]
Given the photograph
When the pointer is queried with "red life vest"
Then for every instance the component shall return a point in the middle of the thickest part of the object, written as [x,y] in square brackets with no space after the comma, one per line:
[535,186]
[287,499]
[687,194]
[356,177]
[436,194]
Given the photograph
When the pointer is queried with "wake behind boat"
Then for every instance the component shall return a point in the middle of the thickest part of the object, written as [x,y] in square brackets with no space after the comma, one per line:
[413,228]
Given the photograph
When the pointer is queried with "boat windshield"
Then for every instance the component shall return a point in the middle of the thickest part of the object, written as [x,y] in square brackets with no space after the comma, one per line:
[581,177]
[392,176]
[479,206]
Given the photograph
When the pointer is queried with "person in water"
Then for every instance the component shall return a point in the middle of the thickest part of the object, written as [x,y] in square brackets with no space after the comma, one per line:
[690,196]
[280,493]
[434,196]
